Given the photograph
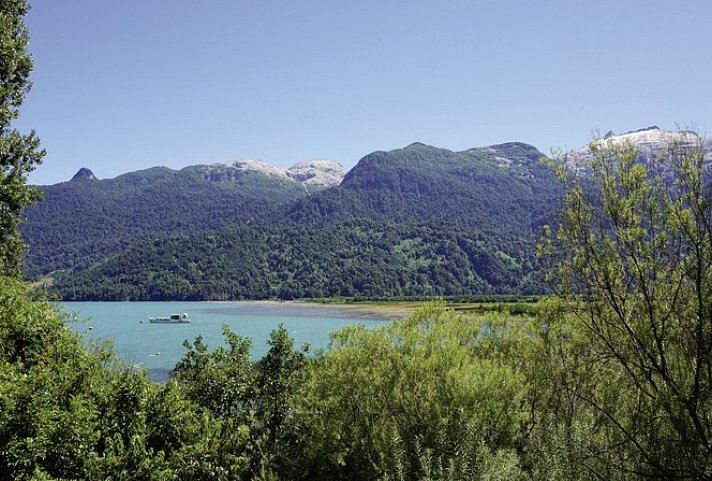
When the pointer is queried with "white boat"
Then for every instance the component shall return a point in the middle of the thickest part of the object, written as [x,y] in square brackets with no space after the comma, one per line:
[172,319]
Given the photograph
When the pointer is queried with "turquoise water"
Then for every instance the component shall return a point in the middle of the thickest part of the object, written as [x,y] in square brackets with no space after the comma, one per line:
[158,347]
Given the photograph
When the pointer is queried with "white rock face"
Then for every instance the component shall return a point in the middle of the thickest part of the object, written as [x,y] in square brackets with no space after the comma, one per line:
[317,172]
[650,142]
[232,170]
[257,166]
[651,138]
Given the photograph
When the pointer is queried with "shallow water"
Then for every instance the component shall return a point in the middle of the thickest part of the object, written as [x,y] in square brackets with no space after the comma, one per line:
[158,347]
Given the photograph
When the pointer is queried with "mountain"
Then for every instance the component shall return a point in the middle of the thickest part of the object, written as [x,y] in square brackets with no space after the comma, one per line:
[86,220]
[317,173]
[420,220]
[502,188]
[417,220]
[83,174]
[295,262]
[650,142]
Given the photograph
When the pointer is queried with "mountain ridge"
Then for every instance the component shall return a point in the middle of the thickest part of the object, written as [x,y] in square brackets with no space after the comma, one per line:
[416,220]
[314,172]
[423,216]
[650,142]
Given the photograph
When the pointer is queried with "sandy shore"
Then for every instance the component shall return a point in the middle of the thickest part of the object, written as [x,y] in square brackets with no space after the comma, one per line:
[360,309]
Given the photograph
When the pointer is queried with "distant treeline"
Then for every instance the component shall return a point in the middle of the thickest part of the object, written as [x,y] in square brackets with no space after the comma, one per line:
[366,260]
[462,299]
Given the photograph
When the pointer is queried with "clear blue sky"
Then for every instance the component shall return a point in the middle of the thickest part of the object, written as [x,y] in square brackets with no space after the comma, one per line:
[125,85]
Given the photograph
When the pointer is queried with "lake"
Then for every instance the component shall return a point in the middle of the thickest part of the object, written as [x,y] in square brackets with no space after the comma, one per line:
[158,347]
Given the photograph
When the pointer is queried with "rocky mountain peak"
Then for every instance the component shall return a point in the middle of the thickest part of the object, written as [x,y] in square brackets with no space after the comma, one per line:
[649,135]
[83,174]
[256,166]
[649,141]
[317,172]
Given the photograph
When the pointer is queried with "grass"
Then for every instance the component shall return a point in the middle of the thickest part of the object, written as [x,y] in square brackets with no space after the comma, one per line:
[517,305]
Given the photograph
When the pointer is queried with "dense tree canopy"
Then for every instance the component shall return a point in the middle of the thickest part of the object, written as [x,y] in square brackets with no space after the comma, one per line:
[413,221]
[263,262]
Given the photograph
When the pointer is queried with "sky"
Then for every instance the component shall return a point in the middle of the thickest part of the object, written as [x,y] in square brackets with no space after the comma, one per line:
[126,85]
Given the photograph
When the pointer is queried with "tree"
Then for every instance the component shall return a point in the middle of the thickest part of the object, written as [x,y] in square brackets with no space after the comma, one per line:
[635,265]
[19,154]
[428,397]
[220,380]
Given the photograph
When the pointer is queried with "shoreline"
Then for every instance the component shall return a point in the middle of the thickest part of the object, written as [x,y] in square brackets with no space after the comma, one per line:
[362,309]
[365,310]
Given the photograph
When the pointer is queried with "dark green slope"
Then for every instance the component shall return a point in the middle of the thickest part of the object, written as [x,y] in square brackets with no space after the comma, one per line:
[293,262]
[414,221]
[502,189]
[84,221]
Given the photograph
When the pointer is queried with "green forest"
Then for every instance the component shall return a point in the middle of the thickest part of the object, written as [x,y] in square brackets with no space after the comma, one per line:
[608,379]
[409,222]
[293,263]
[81,222]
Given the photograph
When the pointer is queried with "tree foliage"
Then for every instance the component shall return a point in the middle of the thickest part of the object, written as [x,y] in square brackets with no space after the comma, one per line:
[437,396]
[412,397]
[19,153]
[68,412]
[638,276]
[262,262]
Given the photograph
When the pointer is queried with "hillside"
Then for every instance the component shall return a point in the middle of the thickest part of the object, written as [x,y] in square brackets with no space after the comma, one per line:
[86,220]
[501,188]
[413,221]
[420,220]
[291,262]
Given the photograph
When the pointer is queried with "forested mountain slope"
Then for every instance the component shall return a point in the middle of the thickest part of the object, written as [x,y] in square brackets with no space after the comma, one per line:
[290,262]
[413,221]
[420,220]
[504,188]
[86,220]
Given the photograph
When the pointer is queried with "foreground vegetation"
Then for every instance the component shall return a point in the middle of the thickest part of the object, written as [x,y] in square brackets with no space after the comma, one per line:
[439,395]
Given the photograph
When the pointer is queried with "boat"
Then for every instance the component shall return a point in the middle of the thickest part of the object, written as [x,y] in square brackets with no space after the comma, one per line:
[172,319]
